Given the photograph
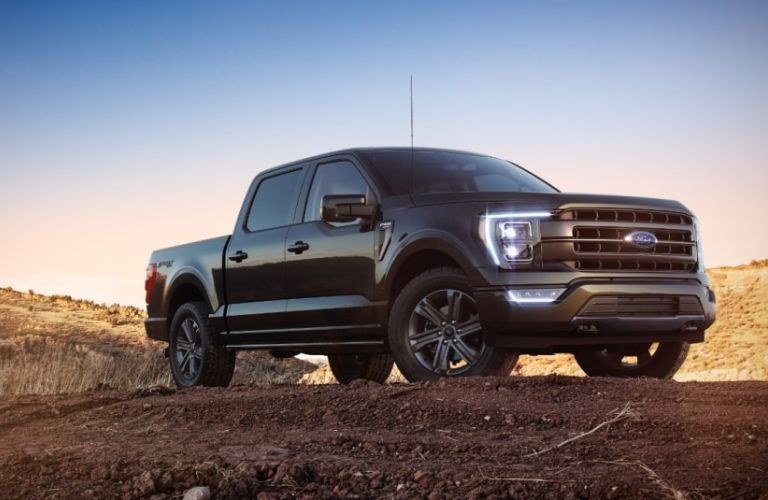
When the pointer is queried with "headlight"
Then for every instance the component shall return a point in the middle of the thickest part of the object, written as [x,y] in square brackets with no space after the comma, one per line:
[511,237]
[699,249]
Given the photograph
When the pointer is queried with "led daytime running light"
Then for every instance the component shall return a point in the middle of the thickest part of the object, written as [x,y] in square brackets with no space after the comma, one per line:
[534,295]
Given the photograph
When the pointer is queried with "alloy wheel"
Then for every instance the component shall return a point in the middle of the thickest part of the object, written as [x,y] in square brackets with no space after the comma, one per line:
[189,349]
[444,332]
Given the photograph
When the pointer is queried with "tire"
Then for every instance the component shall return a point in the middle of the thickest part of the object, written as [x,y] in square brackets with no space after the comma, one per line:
[193,354]
[659,360]
[428,330]
[349,367]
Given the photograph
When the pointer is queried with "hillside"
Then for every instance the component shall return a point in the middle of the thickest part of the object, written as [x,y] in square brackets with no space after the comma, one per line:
[55,344]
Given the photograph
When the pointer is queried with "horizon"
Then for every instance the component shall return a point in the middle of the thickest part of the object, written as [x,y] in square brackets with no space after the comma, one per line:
[130,127]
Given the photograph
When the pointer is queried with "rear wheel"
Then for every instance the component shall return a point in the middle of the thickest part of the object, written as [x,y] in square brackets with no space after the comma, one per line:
[194,356]
[349,367]
[657,360]
[435,330]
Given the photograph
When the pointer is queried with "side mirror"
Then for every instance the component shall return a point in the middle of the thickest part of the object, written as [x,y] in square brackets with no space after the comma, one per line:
[346,208]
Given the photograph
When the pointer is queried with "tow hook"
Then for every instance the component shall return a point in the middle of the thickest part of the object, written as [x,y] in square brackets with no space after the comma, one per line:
[588,328]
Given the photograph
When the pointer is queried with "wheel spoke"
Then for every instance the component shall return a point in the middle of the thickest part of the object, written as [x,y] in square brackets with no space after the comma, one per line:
[188,333]
[183,345]
[428,311]
[440,360]
[423,339]
[470,327]
[184,365]
[468,353]
[454,304]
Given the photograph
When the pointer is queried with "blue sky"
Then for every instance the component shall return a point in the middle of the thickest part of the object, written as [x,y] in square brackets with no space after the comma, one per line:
[126,126]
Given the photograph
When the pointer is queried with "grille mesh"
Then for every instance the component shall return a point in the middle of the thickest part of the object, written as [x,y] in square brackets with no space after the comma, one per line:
[622,215]
[611,240]
[628,306]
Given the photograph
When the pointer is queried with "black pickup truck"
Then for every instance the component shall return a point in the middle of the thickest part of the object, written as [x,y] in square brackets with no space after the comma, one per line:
[445,262]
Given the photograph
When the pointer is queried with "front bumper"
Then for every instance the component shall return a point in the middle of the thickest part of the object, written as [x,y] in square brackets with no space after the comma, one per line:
[567,324]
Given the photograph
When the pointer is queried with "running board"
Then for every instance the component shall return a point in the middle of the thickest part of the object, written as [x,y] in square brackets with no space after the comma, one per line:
[307,345]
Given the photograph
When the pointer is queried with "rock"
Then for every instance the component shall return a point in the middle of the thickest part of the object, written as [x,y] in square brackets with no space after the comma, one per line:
[198,493]
[419,475]
[165,482]
[330,417]
[145,483]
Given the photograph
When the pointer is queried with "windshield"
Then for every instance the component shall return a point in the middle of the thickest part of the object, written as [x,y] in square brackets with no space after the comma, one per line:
[450,172]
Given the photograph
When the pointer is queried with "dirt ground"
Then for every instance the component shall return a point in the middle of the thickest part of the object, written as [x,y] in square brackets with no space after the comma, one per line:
[519,436]
[534,436]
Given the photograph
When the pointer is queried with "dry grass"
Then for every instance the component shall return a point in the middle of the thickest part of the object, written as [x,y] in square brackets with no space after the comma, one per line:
[42,366]
[55,344]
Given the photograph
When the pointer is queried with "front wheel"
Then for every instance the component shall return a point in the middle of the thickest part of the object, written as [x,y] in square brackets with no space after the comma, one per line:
[349,367]
[195,357]
[435,330]
[656,360]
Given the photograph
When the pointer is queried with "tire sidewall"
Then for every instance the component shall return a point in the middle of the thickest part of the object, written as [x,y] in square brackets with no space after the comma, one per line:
[342,369]
[189,310]
[375,367]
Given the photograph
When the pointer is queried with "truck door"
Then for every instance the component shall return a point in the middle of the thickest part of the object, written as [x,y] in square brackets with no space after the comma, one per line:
[330,266]
[255,257]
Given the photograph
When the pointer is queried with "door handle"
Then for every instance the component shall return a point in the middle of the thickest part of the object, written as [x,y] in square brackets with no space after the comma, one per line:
[238,256]
[298,247]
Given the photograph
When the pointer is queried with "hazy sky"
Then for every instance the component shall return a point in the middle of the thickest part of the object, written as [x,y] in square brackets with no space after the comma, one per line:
[127,126]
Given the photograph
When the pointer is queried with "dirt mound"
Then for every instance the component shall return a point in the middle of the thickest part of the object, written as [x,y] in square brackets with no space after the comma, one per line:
[560,437]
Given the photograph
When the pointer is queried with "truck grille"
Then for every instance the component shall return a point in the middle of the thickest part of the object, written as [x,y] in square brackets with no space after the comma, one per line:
[631,265]
[627,306]
[594,240]
[623,215]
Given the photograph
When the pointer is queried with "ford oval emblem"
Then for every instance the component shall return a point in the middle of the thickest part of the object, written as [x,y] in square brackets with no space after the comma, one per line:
[642,239]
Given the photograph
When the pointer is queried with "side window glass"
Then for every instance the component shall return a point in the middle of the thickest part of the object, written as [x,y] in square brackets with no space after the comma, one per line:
[341,177]
[275,201]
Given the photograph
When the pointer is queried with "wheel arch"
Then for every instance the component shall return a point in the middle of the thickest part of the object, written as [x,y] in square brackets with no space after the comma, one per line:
[186,287]
[422,255]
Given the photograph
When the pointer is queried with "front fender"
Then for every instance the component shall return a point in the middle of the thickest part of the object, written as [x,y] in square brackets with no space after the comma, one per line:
[440,241]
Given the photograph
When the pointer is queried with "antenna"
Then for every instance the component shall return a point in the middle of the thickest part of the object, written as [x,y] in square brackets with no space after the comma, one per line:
[413,167]
[411,112]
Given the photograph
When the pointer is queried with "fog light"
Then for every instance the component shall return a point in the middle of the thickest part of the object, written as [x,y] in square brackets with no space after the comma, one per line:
[534,295]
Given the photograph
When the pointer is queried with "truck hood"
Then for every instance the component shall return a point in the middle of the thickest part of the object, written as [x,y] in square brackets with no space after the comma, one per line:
[549,201]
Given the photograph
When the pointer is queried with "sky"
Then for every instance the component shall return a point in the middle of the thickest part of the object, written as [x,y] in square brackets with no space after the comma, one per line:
[132,125]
